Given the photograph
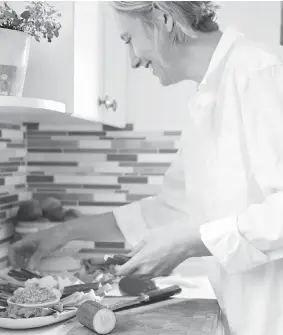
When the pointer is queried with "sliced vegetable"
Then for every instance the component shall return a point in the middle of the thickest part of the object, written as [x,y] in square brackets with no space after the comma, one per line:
[134,286]
[96,317]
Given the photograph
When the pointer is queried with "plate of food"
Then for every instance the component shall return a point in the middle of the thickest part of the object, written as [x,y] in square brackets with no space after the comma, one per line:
[43,301]
[34,296]
[16,318]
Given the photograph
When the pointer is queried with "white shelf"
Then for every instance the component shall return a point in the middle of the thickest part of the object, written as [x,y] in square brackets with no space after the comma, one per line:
[22,109]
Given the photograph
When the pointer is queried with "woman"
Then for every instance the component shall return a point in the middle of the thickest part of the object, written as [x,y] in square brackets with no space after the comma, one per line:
[222,195]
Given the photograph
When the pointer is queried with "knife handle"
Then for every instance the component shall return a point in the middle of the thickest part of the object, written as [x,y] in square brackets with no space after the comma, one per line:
[116,259]
[163,294]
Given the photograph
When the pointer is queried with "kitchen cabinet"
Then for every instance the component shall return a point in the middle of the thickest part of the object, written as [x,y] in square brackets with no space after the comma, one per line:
[85,65]
[100,65]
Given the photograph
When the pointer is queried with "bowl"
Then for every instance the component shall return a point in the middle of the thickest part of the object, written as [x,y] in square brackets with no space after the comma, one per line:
[40,305]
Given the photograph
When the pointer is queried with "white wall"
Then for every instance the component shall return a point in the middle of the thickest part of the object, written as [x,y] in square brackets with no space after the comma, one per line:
[50,71]
[152,106]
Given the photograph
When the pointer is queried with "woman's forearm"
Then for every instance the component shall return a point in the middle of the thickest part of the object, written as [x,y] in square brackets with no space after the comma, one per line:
[196,247]
[100,228]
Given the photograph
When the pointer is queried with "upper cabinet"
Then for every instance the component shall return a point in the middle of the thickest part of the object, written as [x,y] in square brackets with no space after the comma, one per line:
[100,65]
[85,68]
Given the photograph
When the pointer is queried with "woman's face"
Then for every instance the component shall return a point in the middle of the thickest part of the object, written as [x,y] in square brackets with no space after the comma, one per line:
[160,57]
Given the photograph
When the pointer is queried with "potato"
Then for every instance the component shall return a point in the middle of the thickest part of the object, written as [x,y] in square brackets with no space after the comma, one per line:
[52,209]
[29,211]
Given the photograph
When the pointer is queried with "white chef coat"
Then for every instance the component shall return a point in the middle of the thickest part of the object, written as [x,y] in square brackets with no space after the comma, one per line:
[228,179]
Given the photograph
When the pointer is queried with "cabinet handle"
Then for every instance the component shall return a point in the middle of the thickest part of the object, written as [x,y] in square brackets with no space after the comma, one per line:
[108,103]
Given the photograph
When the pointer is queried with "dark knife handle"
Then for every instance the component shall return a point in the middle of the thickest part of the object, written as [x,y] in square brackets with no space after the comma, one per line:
[163,294]
[148,298]
[116,259]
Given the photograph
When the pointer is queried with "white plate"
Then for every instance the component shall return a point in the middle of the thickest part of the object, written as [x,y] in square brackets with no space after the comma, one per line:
[30,323]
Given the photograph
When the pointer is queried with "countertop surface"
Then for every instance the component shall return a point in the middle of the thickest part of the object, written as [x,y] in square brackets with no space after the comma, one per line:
[195,287]
[194,283]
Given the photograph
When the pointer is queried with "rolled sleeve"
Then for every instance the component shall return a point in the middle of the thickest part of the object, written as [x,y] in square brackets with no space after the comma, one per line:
[234,252]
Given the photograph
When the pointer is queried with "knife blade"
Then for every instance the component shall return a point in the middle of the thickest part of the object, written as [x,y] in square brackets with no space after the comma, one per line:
[152,296]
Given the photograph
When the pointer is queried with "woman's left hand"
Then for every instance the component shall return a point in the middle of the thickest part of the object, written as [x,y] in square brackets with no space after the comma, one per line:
[162,250]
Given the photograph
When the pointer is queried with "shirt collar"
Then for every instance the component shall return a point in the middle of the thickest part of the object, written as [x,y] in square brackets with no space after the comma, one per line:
[227,40]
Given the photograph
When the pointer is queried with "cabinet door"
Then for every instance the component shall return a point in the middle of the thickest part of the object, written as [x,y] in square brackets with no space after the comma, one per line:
[116,65]
[100,65]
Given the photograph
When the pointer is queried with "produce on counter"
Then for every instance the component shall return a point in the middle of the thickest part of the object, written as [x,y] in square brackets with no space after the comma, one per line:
[55,282]
[50,209]
[134,286]
[16,312]
[29,211]
[77,298]
[96,317]
[39,290]
[34,294]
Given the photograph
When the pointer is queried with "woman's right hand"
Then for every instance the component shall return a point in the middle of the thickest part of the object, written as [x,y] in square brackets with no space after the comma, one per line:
[28,252]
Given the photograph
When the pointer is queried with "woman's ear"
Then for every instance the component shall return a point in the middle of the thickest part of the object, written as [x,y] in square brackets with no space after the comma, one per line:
[168,21]
[165,18]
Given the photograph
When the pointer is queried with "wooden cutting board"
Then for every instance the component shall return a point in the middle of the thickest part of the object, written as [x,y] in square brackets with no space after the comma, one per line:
[172,317]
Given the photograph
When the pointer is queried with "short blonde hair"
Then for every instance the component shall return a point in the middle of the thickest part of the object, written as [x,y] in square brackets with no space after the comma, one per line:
[188,16]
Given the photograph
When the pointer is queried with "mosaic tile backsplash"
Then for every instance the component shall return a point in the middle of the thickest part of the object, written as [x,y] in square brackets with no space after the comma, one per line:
[13,169]
[96,168]
[13,185]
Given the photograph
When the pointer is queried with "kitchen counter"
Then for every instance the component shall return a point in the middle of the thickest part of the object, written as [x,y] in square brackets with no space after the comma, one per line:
[192,279]
[195,287]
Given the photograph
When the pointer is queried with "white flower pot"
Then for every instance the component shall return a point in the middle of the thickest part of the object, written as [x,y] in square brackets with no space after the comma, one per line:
[14,54]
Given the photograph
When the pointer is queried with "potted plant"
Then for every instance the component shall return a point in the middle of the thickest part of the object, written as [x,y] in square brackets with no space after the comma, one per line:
[40,21]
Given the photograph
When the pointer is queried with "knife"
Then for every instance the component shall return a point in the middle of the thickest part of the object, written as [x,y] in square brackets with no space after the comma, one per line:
[150,297]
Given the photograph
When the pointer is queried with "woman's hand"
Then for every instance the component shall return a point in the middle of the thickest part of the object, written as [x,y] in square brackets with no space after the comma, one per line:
[30,250]
[162,250]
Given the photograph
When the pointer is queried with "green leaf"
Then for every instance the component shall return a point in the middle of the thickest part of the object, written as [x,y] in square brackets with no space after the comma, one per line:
[39,19]
[25,14]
